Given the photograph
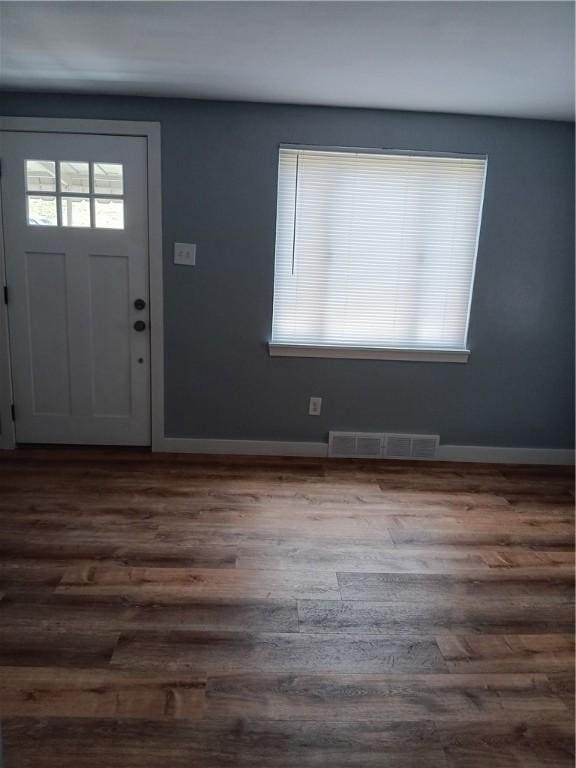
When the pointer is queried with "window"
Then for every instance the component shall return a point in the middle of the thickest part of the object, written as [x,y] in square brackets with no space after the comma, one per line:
[74,194]
[375,253]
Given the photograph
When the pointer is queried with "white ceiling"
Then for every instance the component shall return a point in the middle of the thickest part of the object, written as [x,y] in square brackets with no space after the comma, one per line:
[495,58]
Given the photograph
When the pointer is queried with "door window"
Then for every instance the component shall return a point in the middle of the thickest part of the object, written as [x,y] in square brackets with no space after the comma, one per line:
[74,194]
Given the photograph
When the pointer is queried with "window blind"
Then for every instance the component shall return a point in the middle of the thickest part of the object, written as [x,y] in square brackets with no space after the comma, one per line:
[375,250]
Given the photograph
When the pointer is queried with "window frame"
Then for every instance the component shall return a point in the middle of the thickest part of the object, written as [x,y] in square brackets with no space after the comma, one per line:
[414,354]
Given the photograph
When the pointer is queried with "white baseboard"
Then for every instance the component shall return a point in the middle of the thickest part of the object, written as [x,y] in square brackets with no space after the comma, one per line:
[497,455]
[245,447]
[469,453]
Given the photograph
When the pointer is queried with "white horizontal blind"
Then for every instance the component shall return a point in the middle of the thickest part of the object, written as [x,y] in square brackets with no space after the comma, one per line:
[375,250]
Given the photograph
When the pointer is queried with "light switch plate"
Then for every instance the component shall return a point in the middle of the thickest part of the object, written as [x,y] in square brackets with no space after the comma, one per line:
[315,406]
[185,254]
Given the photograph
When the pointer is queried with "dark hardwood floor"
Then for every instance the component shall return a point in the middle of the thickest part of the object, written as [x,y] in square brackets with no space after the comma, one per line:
[171,612]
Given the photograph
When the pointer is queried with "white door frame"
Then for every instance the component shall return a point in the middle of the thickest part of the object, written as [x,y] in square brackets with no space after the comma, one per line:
[151,132]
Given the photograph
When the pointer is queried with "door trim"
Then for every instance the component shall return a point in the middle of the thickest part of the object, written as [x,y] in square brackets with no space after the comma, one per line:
[7,433]
[152,133]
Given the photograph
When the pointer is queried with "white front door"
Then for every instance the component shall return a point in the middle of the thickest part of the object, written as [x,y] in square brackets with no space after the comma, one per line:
[76,244]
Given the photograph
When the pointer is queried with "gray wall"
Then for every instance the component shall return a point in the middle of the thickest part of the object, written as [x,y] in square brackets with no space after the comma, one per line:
[219,190]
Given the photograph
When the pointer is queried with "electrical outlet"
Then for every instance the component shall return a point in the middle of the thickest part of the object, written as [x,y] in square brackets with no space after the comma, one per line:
[185,254]
[315,406]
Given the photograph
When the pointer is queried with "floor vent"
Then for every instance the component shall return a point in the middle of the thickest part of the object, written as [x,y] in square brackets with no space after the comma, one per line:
[371,445]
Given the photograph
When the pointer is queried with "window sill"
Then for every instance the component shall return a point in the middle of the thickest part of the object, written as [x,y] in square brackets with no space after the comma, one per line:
[370,353]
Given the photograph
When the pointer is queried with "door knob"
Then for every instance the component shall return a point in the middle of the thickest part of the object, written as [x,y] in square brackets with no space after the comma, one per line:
[139,325]
[139,304]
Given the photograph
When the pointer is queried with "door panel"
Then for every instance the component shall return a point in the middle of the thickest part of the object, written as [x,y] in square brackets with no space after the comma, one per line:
[76,237]
[110,329]
[46,307]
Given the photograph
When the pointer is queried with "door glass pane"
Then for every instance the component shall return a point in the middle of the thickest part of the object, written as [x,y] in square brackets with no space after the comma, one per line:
[108,179]
[109,214]
[75,211]
[42,211]
[40,176]
[74,177]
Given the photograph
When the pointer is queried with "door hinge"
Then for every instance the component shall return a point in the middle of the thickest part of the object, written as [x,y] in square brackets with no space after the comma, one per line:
[5,294]
[13,411]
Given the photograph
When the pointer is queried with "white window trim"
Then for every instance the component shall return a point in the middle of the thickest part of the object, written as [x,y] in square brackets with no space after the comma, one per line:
[428,355]
[383,151]
[152,133]
[370,353]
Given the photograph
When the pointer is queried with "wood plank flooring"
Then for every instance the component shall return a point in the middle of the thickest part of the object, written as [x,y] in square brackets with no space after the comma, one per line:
[280,613]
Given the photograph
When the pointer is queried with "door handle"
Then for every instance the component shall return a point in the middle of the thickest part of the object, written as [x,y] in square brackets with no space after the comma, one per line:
[139,325]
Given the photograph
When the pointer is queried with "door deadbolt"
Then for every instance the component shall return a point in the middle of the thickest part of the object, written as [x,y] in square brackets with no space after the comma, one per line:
[139,304]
